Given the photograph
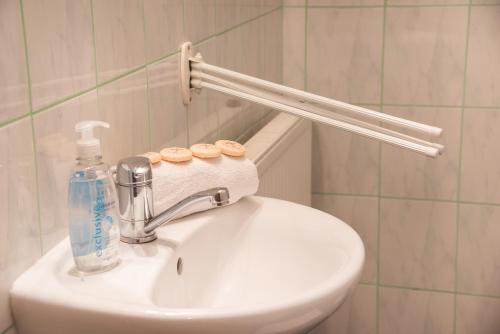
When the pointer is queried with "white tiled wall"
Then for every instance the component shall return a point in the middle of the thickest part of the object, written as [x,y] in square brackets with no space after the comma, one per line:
[430,227]
[63,61]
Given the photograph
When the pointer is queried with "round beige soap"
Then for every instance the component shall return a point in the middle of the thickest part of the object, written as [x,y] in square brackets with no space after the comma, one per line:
[176,154]
[205,151]
[154,157]
[229,147]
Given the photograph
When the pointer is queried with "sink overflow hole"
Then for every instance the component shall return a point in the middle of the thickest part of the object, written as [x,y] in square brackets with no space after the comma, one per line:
[179,266]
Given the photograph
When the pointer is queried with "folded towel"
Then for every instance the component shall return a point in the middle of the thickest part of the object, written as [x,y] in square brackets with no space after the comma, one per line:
[172,182]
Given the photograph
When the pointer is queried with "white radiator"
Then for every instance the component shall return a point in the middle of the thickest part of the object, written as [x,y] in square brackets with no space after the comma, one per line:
[282,152]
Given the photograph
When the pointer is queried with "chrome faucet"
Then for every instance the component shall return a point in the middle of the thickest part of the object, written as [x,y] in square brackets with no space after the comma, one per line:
[134,180]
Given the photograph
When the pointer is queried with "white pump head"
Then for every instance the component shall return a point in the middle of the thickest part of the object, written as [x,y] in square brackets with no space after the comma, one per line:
[88,146]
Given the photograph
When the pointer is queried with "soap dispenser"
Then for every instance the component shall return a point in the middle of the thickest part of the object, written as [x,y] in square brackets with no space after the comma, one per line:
[92,203]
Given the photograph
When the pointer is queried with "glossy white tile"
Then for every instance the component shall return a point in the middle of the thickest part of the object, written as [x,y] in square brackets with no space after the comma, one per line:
[230,13]
[123,104]
[119,36]
[168,115]
[478,315]
[407,174]
[480,156]
[357,315]
[199,19]
[343,162]
[415,312]
[363,316]
[425,55]
[344,53]
[14,94]
[483,68]
[417,244]
[19,226]
[361,213]
[239,50]
[163,27]
[294,47]
[271,48]
[60,48]
[478,249]
[56,153]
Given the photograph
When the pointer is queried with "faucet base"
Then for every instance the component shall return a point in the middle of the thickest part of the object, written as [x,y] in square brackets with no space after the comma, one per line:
[138,240]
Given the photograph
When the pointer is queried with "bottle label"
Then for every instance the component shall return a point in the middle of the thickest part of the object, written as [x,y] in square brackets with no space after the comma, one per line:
[93,218]
[103,222]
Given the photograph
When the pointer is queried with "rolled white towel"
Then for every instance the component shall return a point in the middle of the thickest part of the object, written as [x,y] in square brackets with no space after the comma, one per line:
[172,182]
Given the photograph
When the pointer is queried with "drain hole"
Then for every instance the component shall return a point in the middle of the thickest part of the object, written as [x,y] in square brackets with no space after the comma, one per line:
[179,266]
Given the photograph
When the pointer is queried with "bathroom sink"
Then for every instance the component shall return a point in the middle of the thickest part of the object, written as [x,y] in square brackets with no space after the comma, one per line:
[259,266]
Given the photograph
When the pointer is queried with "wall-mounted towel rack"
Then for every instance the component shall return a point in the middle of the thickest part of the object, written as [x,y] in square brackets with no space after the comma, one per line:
[196,74]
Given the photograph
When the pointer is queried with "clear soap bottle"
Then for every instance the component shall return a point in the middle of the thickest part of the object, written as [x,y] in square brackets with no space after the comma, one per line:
[92,202]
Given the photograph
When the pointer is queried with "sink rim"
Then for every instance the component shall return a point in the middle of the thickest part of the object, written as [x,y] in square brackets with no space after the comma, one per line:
[327,289]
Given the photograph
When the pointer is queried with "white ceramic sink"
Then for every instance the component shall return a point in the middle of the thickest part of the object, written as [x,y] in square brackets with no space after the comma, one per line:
[259,266]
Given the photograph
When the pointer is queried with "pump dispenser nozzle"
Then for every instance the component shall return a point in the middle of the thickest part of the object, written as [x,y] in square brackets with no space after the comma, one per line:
[88,146]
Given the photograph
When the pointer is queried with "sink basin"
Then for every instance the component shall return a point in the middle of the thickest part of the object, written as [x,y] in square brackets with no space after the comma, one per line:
[259,266]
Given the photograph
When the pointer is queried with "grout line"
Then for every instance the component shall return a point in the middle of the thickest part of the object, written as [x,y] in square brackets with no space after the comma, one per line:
[422,105]
[148,107]
[402,287]
[11,326]
[217,132]
[185,107]
[33,138]
[395,286]
[408,198]
[342,6]
[306,29]
[65,99]
[93,41]
[403,198]
[241,24]
[323,193]
[459,173]
[13,120]
[379,174]
[464,4]
[397,5]
[479,203]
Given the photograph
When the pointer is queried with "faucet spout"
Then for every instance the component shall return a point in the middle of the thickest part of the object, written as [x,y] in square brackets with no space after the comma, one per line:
[134,184]
[216,197]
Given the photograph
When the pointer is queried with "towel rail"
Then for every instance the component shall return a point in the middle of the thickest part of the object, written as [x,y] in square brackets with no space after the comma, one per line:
[196,74]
